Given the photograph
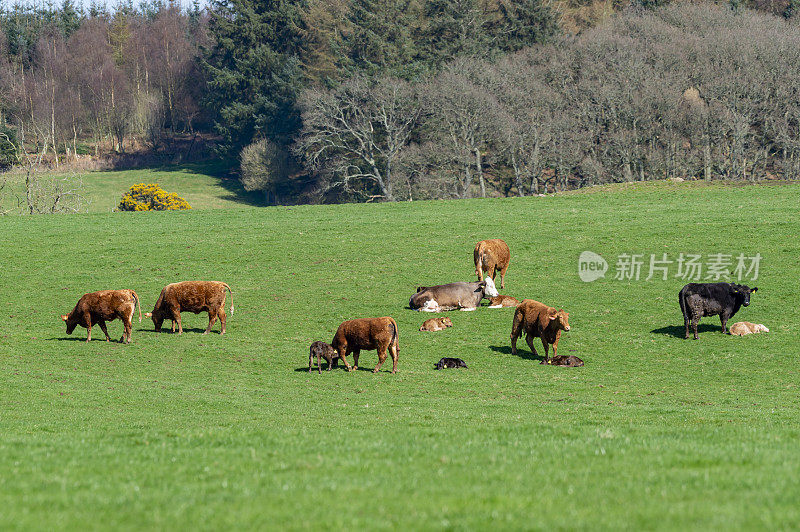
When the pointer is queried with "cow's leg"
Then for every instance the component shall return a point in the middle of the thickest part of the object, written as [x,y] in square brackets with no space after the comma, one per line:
[311,359]
[173,325]
[102,325]
[393,352]
[686,324]
[723,318]
[529,341]
[503,277]
[381,359]
[222,319]
[212,318]
[695,320]
[127,330]
[87,322]
[546,352]
[343,352]
[176,317]
[356,353]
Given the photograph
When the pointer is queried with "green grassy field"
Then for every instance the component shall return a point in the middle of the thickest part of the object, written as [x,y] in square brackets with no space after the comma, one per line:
[203,185]
[212,432]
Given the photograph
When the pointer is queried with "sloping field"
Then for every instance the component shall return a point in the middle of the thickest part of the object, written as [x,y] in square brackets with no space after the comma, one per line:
[211,432]
[201,184]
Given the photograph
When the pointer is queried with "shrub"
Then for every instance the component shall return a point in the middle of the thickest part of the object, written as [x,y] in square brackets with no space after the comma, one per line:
[150,197]
[264,166]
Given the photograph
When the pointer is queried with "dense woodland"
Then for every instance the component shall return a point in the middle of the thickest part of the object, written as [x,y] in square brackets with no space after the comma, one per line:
[359,100]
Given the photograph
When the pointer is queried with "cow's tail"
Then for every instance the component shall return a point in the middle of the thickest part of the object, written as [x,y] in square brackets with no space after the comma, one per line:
[136,302]
[682,301]
[395,336]
[231,293]
[516,325]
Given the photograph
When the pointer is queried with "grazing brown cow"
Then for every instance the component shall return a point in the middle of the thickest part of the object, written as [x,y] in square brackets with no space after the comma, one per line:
[436,324]
[191,296]
[100,307]
[742,328]
[321,350]
[503,301]
[490,256]
[540,321]
[367,333]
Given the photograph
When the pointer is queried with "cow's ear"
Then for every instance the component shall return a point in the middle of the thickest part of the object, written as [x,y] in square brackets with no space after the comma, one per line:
[754,289]
[64,317]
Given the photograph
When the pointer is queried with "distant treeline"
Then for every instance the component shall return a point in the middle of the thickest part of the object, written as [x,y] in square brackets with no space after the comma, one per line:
[354,100]
[69,76]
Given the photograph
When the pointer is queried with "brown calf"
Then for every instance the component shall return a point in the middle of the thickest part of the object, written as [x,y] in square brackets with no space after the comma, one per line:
[191,296]
[100,307]
[436,324]
[367,333]
[490,256]
[503,301]
[538,321]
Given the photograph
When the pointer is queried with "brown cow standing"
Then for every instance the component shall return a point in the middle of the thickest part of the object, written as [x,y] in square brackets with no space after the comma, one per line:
[490,256]
[100,307]
[367,333]
[540,321]
[191,296]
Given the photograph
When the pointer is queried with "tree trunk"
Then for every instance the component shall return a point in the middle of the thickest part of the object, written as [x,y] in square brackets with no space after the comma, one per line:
[517,176]
[707,154]
[479,169]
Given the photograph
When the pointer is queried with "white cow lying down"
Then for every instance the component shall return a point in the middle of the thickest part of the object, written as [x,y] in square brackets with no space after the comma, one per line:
[464,296]
[745,327]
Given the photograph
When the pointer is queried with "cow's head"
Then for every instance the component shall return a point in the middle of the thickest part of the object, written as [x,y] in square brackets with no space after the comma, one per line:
[489,290]
[560,318]
[158,318]
[742,293]
[446,322]
[71,324]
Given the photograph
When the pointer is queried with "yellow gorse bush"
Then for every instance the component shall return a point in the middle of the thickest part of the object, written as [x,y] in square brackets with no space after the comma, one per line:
[151,197]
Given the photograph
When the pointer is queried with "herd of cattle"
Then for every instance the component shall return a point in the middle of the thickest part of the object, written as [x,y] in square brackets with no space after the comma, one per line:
[534,319]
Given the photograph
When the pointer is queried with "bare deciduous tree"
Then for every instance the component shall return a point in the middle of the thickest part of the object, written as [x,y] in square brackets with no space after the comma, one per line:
[354,134]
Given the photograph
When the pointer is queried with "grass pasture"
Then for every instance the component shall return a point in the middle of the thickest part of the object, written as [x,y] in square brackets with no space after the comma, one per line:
[203,185]
[211,432]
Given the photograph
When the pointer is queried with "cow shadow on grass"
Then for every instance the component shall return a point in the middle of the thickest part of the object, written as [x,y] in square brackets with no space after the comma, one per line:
[340,368]
[679,331]
[79,339]
[185,330]
[521,353]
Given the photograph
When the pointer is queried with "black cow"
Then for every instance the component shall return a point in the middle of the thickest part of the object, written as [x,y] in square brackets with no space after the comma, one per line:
[711,299]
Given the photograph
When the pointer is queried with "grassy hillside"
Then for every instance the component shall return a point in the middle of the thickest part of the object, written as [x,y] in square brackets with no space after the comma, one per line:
[655,432]
[204,186]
